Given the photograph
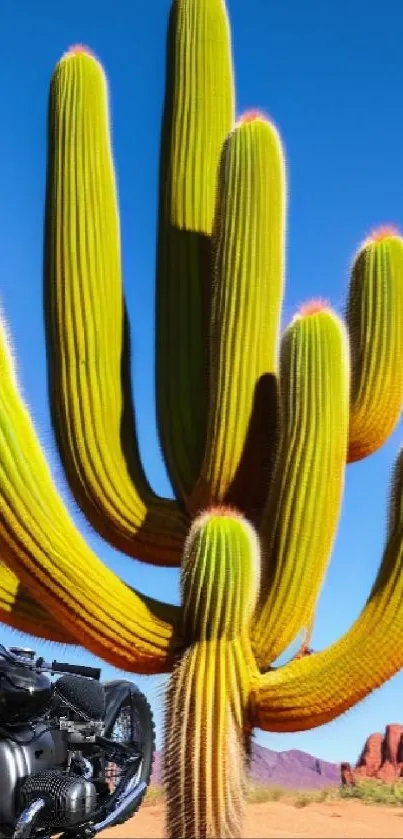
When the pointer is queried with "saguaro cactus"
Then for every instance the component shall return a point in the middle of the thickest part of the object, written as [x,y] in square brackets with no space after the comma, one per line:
[256,430]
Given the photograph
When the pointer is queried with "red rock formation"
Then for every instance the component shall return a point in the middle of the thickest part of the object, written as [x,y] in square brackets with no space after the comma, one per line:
[392,765]
[381,758]
[347,775]
[394,744]
[370,759]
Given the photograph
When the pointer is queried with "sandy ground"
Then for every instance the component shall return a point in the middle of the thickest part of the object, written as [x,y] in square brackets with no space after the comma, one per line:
[339,819]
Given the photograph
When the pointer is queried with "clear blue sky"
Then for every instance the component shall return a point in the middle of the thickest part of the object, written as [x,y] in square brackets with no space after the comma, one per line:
[330,75]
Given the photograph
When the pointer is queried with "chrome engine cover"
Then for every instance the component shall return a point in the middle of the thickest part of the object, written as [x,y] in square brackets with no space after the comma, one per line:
[45,751]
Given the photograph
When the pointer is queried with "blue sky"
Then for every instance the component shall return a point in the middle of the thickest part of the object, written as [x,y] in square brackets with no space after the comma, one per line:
[330,76]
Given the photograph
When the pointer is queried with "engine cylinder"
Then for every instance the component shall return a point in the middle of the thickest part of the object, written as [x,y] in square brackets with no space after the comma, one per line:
[71,799]
[18,760]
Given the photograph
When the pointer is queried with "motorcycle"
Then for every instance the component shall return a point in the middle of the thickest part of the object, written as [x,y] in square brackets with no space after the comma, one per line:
[75,754]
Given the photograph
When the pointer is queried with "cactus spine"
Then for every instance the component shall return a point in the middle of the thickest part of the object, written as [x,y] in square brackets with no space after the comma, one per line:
[219,294]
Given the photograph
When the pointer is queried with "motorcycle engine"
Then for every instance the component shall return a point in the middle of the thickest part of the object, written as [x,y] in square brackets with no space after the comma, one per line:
[27,752]
[37,757]
[70,799]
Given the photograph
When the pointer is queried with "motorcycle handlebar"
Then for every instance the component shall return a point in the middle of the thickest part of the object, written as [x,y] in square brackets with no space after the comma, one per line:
[76,669]
[55,667]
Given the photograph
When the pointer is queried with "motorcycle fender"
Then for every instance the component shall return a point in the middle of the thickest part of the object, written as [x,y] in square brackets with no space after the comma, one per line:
[116,692]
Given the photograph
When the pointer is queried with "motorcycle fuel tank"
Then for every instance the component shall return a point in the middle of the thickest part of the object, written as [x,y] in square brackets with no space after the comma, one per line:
[24,694]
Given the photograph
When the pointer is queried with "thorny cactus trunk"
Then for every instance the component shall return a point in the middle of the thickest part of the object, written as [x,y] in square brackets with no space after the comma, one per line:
[256,430]
[210,685]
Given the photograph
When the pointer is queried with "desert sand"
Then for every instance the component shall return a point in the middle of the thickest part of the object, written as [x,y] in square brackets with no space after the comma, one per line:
[335,820]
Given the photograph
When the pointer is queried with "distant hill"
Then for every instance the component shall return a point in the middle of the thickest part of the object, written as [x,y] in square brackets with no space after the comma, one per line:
[292,769]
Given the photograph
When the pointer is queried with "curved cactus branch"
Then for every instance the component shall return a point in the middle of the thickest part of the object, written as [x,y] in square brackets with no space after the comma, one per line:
[318,688]
[246,310]
[199,113]
[19,610]
[300,519]
[52,560]
[87,330]
[375,322]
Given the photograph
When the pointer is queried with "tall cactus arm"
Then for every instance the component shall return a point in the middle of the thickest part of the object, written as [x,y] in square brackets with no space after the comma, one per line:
[318,688]
[19,610]
[51,559]
[375,323]
[246,307]
[300,519]
[86,326]
[198,114]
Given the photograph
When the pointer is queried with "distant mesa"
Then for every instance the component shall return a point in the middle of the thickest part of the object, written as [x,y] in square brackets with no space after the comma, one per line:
[381,758]
[292,769]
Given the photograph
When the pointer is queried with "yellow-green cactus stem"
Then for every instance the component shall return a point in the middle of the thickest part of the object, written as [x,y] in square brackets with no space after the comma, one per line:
[220,575]
[87,332]
[19,610]
[300,519]
[318,688]
[205,742]
[51,558]
[220,280]
[198,114]
[246,306]
[375,323]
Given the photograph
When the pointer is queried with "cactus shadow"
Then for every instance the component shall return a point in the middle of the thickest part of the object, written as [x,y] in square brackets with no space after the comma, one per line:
[128,426]
[250,486]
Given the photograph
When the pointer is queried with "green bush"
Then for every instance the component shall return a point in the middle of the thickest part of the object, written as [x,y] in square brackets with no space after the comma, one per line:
[375,792]
[262,792]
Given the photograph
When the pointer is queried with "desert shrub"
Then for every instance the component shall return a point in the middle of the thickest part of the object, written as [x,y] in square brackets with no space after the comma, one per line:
[303,799]
[154,795]
[264,792]
[375,792]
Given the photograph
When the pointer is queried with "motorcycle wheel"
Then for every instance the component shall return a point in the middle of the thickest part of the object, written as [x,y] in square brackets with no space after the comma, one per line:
[134,723]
